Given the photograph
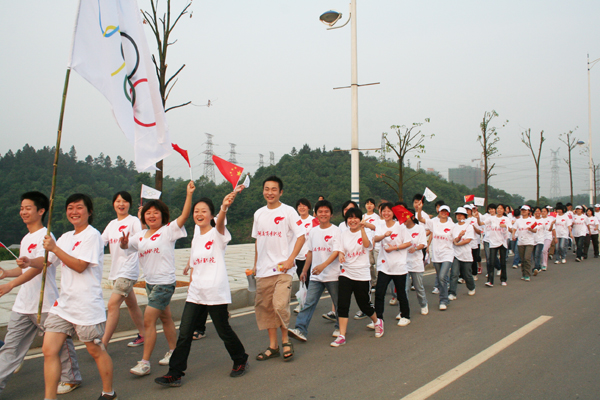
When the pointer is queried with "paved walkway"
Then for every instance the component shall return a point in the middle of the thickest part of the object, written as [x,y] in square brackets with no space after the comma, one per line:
[237,257]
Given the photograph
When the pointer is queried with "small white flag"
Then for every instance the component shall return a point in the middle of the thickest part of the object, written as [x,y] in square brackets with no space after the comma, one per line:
[479,201]
[429,195]
[150,193]
[244,185]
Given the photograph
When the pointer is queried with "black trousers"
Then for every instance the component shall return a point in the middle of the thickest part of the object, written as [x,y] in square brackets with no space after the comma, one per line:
[361,290]
[189,319]
[476,260]
[383,281]
[300,267]
[201,321]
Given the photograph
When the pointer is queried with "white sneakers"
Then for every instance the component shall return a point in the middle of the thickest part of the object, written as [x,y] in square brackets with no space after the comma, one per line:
[403,322]
[296,334]
[425,310]
[451,297]
[336,333]
[443,307]
[166,358]
[435,291]
[472,292]
[64,387]
[142,368]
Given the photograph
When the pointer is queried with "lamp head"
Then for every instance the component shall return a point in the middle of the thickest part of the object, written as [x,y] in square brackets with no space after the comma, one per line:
[330,17]
[580,143]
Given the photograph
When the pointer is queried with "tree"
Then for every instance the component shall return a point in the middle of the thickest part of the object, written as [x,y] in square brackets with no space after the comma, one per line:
[568,139]
[73,153]
[526,139]
[410,139]
[162,34]
[488,139]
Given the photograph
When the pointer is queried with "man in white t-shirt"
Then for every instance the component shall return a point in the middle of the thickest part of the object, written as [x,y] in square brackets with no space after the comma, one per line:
[279,236]
[23,326]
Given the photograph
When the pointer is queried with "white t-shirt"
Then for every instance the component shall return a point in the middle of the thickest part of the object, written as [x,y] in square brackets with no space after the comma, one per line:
[29,293]
[373,219]
[496,234]
[463,253]
[547,222]
[343,227]
[157,253]
[592,222]
[441,249]
[540,233]
[414,261]
[474,244]
[561,226]
[124,263]
[394,262]
[357,265]
[276,232]
[307,223]
[210,283]
[579,227]
[80,301]
[323,242]
[525,236]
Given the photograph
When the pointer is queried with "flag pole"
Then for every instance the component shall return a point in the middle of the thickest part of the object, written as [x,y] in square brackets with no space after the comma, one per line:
[53,190]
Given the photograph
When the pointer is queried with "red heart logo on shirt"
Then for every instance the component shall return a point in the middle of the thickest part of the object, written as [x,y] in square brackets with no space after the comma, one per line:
[76,244]
[393,236]
[359,241]
[446,230]
[154,237]
[31,247]
[415,234]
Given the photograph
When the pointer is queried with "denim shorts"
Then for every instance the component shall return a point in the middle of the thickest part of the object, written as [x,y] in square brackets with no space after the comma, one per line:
[159,296]
[123,286]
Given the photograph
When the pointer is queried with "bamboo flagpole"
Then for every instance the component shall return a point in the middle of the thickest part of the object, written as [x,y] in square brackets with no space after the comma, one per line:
[53,190]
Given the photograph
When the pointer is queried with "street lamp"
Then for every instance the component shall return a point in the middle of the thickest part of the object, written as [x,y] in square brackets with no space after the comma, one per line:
[591,164]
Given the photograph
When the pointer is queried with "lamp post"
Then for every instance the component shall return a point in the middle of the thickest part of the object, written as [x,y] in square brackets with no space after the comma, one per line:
[591,164]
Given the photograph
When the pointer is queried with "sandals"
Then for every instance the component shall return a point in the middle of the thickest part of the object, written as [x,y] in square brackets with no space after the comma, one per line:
[198,335]
[264,356]
[288,355]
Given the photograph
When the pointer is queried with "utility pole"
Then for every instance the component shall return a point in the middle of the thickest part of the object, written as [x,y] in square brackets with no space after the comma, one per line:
[271,158]
[209,166]
[383,148]
[554,169]
[261,161]
[232,158]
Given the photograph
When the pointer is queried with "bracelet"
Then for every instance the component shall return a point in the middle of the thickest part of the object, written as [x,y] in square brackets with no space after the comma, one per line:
[224,210]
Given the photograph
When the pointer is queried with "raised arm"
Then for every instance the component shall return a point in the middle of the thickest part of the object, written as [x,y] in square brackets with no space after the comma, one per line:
[227,202]
[187,207]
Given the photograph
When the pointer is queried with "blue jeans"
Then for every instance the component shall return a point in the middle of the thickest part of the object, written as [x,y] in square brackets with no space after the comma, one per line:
[442,269]
[515,249]
[458,268]
[417,281]
[537,256]
[562,249]
[315,290]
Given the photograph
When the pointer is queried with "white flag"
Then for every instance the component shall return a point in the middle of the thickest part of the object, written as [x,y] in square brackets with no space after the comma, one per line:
[110,51]
[479,201]
[429,195]
[247,181]
[150,193]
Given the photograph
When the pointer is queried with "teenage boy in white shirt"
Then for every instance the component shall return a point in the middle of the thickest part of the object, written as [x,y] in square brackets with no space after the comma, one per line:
[23,325]
[279,238]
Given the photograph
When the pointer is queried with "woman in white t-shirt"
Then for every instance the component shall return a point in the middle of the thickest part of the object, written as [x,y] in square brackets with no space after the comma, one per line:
[414,260]
[441,250]
[303,207]
[462,235]
[79,308]
[580,231]
[354,274]
[592,223]
[538,237]
[156,252]
[524,230]
[371,217]
[548,223]
[562,227]
[209,290]
[124,270]
[497,229]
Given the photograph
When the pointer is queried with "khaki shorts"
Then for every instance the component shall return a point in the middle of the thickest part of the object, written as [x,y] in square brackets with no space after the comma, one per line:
[272,301]
[123,286]
[86,333]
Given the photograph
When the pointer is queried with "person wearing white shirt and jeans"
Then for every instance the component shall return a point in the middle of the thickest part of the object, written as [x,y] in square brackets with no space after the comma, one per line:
[441,250]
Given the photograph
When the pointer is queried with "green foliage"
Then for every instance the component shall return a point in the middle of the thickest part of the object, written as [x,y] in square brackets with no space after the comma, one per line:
[5,254]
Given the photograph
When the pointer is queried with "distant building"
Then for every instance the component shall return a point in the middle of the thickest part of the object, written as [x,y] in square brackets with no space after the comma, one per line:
[471,177]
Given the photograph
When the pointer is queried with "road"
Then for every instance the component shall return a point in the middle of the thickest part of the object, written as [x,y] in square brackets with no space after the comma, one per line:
[558,359]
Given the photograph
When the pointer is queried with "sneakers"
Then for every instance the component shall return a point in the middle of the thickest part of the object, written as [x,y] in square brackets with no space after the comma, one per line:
[425,310]
[105,396]
[297,309]
[557,262]
[371,325]
[526,279]
[296,334]
[64,387]
[168,380]
[336,333]
[166,358]
[412,288]
[451,297]
[511,253]
[398,316]
[142,368]
[577,259]
[435,291]
[379,328]
[499,272]
[504,284]
[443,307]
[544,268]
[139,341]
[535,272]
[489,284]
[198,335]
[515,266]
[330,316]
[472,292]
[475,278]
[564,260]
[404,322]
[461,280]
[479,271]
[550,256]
[393,301]
[360,315]
[237,370]
[339,341]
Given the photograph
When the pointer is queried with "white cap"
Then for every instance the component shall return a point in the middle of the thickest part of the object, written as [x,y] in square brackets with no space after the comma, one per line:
[460,210]
[467,206]
[579,208]
[597,206]
[445,208]
[525,207]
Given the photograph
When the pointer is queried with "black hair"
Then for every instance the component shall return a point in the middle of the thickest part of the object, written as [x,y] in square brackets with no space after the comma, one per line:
[353,212]
[87,201]
[568,204]
[491,205]
[370,200]
[347,203]
[401,203]
[503,206]
[274,178]
[439,203]
[160,206]
[388,205]
[535,208]
[303,201]
[211,207]
[561,208]
[323,203]
[39,199]
[592,210]
[414,217]
[125,195]
[419,197]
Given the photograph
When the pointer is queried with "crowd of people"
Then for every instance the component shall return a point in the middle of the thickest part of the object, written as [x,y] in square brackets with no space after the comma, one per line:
[367,256]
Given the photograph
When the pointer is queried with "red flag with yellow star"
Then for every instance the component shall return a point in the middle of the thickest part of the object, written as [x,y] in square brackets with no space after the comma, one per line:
[401,213]
[230,171]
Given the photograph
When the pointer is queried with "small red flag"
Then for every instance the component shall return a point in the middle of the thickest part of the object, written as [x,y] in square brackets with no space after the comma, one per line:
[230,171]
[469,197]
[401,213]
[183,153]
[315,222]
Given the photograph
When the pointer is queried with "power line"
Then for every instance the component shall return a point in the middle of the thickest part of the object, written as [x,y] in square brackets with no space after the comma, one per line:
[554,182]
[232,154]
[209,166]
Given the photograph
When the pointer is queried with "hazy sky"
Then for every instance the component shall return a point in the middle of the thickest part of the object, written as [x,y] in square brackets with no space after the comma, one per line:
[269,67]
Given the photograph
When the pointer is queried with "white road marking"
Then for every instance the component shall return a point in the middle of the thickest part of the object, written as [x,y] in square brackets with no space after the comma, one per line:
[444,380]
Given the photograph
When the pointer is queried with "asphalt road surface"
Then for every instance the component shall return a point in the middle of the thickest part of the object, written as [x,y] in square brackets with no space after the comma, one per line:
[536,340]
